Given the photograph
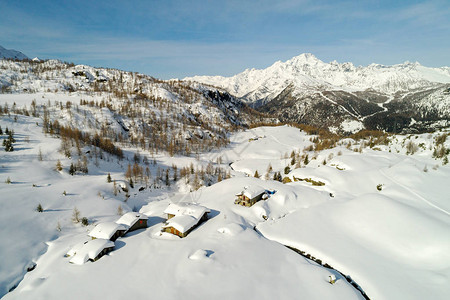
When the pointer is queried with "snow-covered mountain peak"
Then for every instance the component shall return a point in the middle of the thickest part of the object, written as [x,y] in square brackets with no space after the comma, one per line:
[307,71]
[11,54]
[411,63]
[304,59]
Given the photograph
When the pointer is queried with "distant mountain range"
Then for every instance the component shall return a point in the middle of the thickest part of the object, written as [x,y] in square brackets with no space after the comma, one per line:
[11,54]
[343,97]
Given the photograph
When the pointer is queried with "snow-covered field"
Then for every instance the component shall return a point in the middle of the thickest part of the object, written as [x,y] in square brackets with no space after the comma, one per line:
[393,242]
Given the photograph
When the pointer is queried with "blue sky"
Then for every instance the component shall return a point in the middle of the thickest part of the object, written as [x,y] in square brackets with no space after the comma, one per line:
[176,38]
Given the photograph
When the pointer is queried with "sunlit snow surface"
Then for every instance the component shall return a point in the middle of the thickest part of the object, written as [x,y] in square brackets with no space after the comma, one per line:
[394,243]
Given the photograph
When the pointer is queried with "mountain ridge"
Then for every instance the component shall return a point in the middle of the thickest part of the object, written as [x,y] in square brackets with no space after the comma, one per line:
[306,70]
[307,90]
[174,116]
[11,54]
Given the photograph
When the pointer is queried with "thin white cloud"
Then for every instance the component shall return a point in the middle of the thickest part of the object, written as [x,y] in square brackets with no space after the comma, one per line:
[431,13]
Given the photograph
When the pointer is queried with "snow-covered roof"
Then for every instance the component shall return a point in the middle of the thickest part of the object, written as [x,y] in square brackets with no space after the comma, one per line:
[88,250]
[106,230]
[76,248]
[181,223]
[188,209]
[252,191]
[130,218]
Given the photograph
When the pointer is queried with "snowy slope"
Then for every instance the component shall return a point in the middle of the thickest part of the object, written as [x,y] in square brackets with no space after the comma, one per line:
[393,243]
[223,258]
[125,104]
[11,54]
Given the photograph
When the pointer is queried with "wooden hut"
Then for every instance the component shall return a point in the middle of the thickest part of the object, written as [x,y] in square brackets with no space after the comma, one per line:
[108,230]
[182,218]
[133,221]
[91,250]
[250,195]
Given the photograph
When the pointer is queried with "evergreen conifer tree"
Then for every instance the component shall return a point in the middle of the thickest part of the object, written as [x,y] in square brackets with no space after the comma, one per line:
[72,169]
[167,178]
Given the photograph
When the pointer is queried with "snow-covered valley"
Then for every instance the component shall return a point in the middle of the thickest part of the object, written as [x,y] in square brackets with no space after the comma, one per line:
[83,146]
[381,217]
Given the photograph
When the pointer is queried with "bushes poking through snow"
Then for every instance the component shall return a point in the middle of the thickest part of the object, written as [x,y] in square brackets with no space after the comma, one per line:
[411,147]
[115,189]
[440,151]
[312,181]
[440,139]
[119,210]
[286,180]
[76,215]
[380,187]
[40,155]
[58,166]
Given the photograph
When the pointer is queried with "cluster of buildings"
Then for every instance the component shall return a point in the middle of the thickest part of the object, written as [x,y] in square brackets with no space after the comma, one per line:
[182,218]
[103,237]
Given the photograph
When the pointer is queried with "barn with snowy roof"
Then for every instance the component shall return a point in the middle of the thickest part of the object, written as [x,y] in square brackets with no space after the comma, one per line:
[182,218]
[250,195]
[108,231]
[133,221]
